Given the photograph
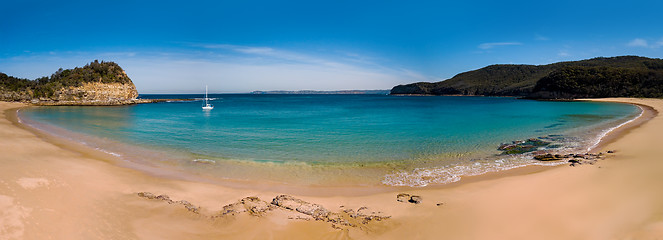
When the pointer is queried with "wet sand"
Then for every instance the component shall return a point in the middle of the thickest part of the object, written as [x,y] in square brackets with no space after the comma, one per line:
[51,190]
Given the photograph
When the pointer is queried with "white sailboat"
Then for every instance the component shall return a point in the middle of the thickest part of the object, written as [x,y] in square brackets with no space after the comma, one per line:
[207,105]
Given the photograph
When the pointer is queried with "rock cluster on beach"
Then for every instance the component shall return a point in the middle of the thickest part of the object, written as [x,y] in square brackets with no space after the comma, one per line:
[574,159]
[407,198]
[533,146]
[303,210]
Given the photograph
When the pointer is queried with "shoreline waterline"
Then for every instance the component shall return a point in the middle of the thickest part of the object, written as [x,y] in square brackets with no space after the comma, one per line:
[463,174]
[647,113]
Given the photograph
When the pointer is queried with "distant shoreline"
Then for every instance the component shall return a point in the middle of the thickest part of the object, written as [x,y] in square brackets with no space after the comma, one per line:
[383,92]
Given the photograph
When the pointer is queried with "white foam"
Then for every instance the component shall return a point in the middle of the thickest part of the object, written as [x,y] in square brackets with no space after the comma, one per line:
[19,119]
[108,152]
[202,160]
[421,177]
[605,132]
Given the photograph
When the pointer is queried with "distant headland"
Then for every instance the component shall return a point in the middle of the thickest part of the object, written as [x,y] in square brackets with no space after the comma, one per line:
[97,83]
[624,76]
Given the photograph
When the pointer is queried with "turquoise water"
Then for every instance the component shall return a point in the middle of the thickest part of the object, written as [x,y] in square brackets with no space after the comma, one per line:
[319,139]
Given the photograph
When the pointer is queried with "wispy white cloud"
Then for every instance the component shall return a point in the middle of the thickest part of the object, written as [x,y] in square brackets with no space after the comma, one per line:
[486,46]
[236,48]
[563,53]
[541,37]
[638,42]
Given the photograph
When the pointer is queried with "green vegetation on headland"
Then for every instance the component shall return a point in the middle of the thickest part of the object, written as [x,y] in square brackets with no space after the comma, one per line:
[625,76]
[97,83]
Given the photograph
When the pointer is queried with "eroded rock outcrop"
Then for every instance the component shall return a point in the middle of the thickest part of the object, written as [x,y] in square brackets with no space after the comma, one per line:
[314,210]
[190,207]
[254,206]
[298,209]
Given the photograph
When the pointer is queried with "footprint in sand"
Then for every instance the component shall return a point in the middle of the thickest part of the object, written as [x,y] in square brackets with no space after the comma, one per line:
[32,183]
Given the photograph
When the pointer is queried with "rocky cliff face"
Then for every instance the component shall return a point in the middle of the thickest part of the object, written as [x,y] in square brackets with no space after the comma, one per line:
[95,93]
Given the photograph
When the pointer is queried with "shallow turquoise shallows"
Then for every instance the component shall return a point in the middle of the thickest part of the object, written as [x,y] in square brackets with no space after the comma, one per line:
[380,137]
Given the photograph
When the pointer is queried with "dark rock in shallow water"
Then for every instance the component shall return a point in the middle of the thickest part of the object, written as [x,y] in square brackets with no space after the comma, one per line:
[522,146]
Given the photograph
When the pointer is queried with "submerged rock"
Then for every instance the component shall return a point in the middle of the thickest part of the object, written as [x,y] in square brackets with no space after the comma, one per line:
[522,146]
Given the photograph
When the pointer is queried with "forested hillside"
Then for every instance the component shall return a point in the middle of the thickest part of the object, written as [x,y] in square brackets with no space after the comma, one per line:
[626,76]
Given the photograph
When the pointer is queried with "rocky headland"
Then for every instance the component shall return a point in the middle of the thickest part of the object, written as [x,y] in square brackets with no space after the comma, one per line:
[95,84]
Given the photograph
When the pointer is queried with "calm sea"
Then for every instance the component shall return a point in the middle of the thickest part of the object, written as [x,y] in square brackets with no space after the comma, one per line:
[331,139]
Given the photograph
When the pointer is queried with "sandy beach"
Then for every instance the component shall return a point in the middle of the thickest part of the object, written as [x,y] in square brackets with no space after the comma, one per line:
[51,189]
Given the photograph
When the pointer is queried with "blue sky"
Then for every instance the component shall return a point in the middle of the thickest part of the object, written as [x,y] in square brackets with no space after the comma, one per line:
[241,46]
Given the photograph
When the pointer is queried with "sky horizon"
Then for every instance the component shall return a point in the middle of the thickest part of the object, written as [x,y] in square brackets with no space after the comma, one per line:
[169,47]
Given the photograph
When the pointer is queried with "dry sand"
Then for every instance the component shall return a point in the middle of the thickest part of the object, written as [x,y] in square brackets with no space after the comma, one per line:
[48,191]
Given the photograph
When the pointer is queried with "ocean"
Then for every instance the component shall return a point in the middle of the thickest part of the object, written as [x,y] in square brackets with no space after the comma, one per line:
[332,139]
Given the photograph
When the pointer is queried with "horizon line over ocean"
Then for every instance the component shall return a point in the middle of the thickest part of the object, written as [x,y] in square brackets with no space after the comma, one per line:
[332,139]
